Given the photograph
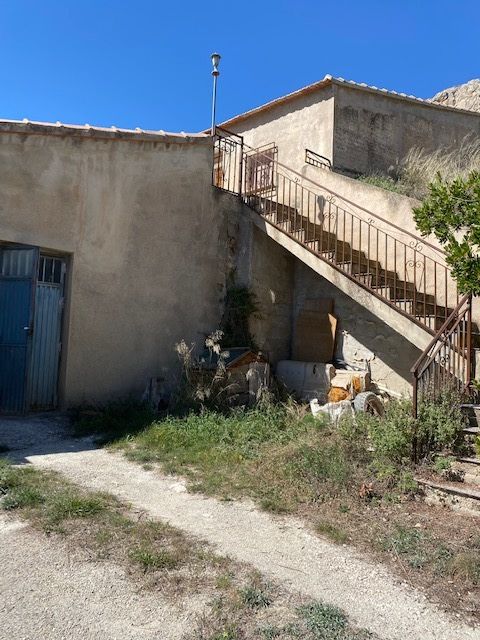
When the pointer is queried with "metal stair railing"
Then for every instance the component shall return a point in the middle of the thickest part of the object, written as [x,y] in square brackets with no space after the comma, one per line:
[447,360]
[400,272]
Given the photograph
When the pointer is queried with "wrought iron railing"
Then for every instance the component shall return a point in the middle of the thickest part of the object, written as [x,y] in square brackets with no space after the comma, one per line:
[408,274]
[316,160]
[447,360]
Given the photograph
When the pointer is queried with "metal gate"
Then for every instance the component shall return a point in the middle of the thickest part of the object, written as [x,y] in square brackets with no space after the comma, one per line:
[31,303]
[18,270]
[45,356]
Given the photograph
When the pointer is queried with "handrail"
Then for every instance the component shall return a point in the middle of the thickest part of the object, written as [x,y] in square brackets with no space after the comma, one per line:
[439,332]
[391,269]
[397,270]
[317,160]
[338,195]
[447,359]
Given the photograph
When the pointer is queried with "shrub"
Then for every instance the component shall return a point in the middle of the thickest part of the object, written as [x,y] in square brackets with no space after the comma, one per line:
[398,438]
[384,182]
[439,426]
[240,305]
[419,167]
[413,176]
[451,213]
[392,435]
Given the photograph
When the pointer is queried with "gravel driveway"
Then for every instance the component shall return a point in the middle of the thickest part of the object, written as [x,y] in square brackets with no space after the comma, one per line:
[48,593]
[281,548]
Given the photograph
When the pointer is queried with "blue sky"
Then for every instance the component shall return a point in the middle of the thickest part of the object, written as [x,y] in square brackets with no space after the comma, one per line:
[145,63]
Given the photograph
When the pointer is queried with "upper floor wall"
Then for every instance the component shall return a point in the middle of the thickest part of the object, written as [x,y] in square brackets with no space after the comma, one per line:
[375,131]
[358,128]
[304,123]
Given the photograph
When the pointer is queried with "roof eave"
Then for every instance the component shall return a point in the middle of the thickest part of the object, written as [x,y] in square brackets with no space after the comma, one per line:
[330,80]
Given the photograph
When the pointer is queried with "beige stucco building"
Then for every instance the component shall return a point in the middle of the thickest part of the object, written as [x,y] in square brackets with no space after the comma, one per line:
[115,245]
[358,128]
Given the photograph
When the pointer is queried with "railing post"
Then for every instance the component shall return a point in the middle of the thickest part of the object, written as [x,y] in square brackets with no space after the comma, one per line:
[213,159]
[415,395]
[240,177]
[469,342]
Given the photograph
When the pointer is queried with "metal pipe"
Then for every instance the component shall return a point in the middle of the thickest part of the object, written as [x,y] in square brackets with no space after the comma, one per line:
[214,101]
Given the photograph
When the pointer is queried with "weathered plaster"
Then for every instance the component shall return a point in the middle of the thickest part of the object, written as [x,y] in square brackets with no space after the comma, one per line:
[362,338]
[296,126]
[147,238]
[374,131]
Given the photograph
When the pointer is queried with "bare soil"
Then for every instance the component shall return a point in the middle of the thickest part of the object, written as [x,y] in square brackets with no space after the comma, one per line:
[281,548]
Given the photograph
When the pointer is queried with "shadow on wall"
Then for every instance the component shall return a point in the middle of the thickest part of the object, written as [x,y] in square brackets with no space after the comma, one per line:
[362,338]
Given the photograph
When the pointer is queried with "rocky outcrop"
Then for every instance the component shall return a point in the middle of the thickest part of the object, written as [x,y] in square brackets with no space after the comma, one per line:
[463,96]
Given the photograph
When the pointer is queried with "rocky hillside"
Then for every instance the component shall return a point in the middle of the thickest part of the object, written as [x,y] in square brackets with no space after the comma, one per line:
[463,96]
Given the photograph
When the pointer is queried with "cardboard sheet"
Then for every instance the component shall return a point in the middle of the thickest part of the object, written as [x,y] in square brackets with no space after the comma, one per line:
[314,338]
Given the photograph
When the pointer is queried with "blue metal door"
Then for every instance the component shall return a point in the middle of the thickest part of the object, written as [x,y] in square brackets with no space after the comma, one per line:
[18,272]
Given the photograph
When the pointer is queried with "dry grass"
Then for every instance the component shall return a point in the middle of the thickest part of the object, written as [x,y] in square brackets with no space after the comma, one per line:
[419,168]
[238,603]
[290,463]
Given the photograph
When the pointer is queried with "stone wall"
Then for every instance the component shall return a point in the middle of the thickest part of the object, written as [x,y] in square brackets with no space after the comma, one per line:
[267,269]
[373,132]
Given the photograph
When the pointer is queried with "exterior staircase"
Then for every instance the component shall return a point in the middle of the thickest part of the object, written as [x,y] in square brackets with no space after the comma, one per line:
[399,270]
[369,272]
[460,487]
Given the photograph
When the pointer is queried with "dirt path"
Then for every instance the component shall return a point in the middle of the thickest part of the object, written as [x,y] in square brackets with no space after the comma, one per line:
[279,547]
[49,593]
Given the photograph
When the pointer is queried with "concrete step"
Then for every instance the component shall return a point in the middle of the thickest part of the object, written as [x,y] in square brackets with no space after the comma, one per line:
[364,267]
[472,431]
[468,468]
[458,496]
[472,413]
[331,245]
[298,234]
[419,307]
[433,322]
[287,226]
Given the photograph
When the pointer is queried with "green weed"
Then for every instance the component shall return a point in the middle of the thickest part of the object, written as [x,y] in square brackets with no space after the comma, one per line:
[385,182]
[410,543]
[256,596]
[331,531]
[149,559]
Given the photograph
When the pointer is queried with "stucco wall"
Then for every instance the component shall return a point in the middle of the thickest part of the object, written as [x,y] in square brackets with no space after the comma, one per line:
[267,269]
[374,131]
[282,283]
[362,338]
[305,123]
[147,238]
